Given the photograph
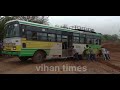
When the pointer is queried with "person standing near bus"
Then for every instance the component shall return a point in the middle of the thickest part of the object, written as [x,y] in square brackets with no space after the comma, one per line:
[87,52]
[108,54]
[92,54]
[104,52]
[99,52]
[75,53]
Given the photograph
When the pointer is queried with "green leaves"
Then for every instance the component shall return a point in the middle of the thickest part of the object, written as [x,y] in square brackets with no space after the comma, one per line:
[107,37]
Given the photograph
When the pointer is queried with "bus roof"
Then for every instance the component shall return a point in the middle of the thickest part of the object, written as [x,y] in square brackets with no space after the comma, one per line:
[46,26]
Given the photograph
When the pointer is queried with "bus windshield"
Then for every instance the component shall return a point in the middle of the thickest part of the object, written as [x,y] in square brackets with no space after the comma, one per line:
[12,30]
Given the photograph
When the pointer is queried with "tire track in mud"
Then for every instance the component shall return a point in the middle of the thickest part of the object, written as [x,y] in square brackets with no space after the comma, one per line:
[110,65]
[108,69]
[94,68]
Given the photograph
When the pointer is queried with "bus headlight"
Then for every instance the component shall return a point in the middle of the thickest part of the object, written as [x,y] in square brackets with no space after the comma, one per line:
[14,47]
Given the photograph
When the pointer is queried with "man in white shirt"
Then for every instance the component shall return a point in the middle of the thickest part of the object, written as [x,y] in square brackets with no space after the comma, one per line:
[75,53]
[108,54]
[104,52]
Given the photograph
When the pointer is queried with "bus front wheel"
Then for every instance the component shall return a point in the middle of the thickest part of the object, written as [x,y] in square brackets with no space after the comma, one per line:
[23,59]
[38,57]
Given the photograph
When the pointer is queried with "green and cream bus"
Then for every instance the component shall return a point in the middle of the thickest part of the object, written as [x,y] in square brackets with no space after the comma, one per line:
[39,42]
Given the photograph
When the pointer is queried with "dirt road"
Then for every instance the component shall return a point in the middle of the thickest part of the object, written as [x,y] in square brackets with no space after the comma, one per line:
[15,66]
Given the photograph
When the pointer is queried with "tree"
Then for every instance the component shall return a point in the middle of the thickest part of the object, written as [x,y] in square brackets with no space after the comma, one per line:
[42,20]
[64,26]
[57,26]
[115,37]
[107,37]
[36,19]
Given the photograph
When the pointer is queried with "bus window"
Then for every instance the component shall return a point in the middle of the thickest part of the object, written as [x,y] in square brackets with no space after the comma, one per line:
[42,36]
[16,30]
[76,34]
[29,35]
[12,30]
[94,41]
[82,40]
[58,32]
[76,39]
[23,30]
[97,42]
[51,37]
[34,35]
[58,38]
[87,39]
[90,41]
[32,28]
[64,38]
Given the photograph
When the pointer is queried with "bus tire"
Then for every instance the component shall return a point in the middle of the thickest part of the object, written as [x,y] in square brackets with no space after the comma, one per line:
[38,57]
[23,59]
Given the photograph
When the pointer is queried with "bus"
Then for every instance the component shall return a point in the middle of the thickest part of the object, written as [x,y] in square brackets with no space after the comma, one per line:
[40,42]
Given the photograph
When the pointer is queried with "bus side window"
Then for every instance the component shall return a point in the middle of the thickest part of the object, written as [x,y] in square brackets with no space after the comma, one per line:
[34,35]
[29,35]
[59,38]
[23,30]
[42,36]
[76,40]
[64,38]
[97,41]
[90,41]
[51,37]
[82,40]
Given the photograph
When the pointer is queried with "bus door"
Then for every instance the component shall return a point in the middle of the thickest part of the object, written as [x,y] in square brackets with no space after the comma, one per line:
[70,43]
[70,40]
[66,43]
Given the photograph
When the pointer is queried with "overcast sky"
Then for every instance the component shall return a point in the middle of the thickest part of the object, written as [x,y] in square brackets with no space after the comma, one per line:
[101,24]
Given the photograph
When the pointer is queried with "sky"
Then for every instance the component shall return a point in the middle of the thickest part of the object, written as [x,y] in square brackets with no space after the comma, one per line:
[101,24]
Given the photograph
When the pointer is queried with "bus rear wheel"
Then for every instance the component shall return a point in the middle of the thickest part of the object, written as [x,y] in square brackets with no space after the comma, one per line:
[23,59]
[38,57]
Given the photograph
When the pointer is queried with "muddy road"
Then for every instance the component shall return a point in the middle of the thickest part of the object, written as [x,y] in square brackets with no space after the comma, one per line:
[14,66]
